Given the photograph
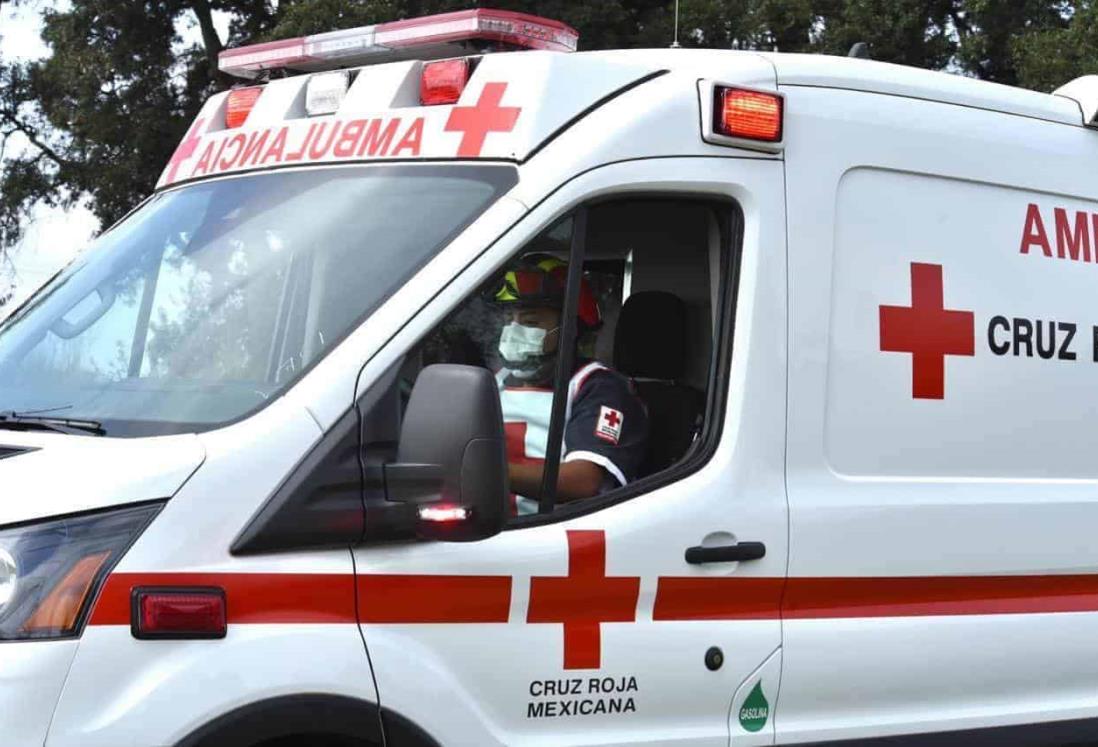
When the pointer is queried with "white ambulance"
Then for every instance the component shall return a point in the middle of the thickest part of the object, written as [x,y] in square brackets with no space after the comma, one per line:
[254,469]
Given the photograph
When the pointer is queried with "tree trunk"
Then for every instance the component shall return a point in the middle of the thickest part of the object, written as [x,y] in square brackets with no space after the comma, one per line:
[210,40]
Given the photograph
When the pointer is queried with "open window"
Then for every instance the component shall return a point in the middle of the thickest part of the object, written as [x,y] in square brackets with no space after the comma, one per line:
[606,382]
[600,403]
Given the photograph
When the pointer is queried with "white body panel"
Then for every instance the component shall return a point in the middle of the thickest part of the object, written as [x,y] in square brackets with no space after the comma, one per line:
[67,474]
[126,691]
[31,677]
[992,478]
[120,693]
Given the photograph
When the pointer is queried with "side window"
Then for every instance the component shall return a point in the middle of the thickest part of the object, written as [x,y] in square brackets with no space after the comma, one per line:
[604,369]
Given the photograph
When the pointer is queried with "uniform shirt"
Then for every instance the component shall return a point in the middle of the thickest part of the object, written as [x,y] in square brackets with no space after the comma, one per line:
[605,423]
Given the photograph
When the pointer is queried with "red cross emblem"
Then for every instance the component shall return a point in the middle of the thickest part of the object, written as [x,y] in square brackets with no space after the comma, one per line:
[612,418]
[928,331]
[185,150]
[584,599]
[477,121]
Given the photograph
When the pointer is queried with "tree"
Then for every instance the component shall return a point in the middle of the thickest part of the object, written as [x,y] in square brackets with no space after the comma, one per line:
[97,119]
[99,116]
[1047,58]
[989,30]
[906,32]
[105,110]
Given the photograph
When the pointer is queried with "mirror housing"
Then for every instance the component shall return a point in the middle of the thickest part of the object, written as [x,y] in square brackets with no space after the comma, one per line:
[451,459]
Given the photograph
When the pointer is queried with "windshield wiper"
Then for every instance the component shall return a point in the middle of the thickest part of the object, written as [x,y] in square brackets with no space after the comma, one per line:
[71,426]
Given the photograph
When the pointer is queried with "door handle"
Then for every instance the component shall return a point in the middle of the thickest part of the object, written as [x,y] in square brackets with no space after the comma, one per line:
[725,553]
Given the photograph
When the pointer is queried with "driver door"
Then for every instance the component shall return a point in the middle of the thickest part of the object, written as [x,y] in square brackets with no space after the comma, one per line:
[587,624]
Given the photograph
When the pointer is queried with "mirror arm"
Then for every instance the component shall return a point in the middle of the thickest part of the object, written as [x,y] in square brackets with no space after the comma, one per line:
[412,483]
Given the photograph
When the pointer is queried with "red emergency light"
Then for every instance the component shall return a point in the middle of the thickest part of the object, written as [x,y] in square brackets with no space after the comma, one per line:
[430,37]
[442,82]
[240,104]
[753,115]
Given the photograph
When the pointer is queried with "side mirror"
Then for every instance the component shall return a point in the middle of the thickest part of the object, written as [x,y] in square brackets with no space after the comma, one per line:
[451,459]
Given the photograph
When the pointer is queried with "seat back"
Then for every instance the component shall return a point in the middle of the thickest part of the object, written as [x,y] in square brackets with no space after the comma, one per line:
[650,346]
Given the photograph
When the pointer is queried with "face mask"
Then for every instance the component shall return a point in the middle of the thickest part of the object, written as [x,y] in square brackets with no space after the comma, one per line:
[522,348]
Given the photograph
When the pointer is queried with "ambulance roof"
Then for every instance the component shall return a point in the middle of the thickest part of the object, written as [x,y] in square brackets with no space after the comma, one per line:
[512,103]
[900,80]
[826,71]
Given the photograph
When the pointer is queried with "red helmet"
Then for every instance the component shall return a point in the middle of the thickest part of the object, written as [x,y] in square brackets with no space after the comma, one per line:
[540,280]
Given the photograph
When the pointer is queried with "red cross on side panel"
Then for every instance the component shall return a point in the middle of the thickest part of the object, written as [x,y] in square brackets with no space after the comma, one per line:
[928,331]
[185,150]
[477,121]
[584,599]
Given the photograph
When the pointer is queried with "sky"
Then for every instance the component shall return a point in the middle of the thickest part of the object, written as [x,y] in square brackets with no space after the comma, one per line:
[53,236]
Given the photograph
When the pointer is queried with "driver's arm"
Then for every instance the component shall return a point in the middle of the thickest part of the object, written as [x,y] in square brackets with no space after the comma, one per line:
[576,479]
[606,437]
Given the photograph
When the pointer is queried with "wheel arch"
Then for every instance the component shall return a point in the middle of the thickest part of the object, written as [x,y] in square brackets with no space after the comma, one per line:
[320,714]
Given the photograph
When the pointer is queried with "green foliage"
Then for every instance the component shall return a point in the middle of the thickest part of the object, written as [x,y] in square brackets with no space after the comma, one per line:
[1046,58]
[908,32]
[97,119]
[990,29]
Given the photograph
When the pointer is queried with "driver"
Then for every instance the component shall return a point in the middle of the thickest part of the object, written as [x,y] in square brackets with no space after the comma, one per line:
[606,426]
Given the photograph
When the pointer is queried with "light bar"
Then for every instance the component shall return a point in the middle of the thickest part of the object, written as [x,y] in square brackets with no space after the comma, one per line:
[430,37]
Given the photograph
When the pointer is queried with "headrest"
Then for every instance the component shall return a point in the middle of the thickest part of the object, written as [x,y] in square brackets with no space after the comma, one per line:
[650,341]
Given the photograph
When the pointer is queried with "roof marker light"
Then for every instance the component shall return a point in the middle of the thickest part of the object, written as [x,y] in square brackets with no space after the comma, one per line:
[442,82]
[431,37]
[324,92]
[240,104]
[752,115]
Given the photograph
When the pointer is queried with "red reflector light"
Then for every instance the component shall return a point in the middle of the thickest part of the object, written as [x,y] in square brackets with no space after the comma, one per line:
[178,613]
[753,115]
[442,82]
[443,514]
[240,104]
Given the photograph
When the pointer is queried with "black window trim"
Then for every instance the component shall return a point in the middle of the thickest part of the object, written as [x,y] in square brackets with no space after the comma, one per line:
[731,238]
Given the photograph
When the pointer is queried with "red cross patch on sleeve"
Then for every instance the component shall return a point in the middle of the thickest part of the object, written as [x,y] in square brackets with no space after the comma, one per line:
[608,426]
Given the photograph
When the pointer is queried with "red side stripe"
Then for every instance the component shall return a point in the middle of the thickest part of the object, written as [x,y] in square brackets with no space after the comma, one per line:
[939,595]
[258,598]
[828,598]
[251,597]
[687,598]
[434,599]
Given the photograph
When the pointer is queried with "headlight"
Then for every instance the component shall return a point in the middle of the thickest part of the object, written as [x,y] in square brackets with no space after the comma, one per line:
[51,571]
[9,574]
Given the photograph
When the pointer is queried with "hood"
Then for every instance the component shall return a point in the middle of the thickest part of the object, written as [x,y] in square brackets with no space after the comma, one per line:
[48,474]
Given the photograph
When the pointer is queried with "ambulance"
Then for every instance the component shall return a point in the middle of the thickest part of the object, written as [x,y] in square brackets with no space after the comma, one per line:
[254,468]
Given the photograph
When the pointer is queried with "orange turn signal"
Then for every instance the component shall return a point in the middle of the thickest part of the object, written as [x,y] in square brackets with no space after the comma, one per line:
[58,612]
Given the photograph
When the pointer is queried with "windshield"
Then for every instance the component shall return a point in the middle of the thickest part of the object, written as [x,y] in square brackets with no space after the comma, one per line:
[214,298]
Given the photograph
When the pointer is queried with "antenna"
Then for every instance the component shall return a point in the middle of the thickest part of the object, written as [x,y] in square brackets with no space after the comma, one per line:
[859,50]
[675,43]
